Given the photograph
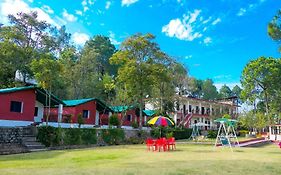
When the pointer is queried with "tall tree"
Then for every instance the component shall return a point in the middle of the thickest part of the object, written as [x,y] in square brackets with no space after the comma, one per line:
[105,49]
[274,29]
[236,91]
[261,80]
[209,90]
[225,92]
[195,87]
[138,57]
[46,72]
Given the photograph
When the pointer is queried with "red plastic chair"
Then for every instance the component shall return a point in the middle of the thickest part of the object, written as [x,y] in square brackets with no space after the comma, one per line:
[279,144]
[171,142]
[161,144]
[150,144]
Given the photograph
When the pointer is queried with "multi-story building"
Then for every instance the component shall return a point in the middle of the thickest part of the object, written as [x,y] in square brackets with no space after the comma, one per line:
[190,111]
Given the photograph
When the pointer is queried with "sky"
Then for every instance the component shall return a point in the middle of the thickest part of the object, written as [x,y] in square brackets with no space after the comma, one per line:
[211,38]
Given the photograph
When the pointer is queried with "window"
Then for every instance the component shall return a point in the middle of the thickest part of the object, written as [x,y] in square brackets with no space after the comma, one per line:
[36,112]
[190,108]
[16,106]
[86,114]
[129,117]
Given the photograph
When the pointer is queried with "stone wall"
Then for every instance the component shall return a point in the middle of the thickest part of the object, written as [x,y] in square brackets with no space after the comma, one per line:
[11,140]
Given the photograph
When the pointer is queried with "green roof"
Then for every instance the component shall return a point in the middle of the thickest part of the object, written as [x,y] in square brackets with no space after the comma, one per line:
[100,104]
[77,102]
[121,108]
[149,112]
[14,89]
[40,94]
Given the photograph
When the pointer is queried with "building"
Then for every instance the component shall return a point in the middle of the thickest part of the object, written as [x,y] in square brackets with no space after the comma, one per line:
[93,112]
[23,106]
[190,111]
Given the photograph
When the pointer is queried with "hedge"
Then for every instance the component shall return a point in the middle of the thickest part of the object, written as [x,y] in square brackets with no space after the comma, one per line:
[51,136]
[168,132]
[114,136]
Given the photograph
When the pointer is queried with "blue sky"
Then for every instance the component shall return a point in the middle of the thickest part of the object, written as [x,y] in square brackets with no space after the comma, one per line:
[212,38]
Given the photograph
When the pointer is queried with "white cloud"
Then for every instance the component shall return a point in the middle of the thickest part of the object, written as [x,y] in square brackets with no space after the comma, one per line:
[78,12]
[207,41]
[113,39]
[47,9]
[250,7]
[107,4]
[188,57]
[216,21]
[69,17]
[85,9]
[207,20]
[91,2]
[84,3]
[241,12]
[15,6]
[80,38]
[183,29]
[128,2]
[230,85]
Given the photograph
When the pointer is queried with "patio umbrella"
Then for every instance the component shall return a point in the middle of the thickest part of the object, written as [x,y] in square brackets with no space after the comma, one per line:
[160,121]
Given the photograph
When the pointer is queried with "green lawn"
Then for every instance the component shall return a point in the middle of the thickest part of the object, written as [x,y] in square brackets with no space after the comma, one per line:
[188,159]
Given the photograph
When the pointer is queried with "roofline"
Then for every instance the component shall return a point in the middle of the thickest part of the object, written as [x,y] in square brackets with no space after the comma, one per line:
[88,100]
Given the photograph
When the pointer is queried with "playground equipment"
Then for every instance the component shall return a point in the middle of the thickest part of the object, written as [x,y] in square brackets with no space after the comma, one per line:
[195,130]
[226,133]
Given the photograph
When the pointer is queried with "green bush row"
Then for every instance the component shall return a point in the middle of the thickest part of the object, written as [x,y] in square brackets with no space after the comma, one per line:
[167,132]
[51,136]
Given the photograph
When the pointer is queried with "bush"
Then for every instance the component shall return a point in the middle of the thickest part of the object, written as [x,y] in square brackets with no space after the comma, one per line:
[114,120]
[135,124]
[114,136]
[184,133]
[212,134]
[80,120]
[51,136]
[242,133]
[48,135]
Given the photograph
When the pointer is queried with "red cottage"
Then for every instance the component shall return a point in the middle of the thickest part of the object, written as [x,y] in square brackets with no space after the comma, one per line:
[91,110]
[23,106]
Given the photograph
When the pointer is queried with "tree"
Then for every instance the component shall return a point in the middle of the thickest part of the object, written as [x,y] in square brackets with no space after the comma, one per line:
[274,28]
[105,49]
[209,90]
[138,58]
[26,39]
[46,71]
[261,80]
[225,92]
[195,87]
[236,91]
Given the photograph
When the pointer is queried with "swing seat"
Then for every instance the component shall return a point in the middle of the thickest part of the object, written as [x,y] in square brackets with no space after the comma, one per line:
[224,141]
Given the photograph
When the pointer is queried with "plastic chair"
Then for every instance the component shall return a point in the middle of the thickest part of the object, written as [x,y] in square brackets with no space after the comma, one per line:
[171,142]
[279,144]
[161,144]
[150,144]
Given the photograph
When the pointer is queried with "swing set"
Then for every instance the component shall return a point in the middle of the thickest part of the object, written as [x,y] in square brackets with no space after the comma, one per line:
[226,134]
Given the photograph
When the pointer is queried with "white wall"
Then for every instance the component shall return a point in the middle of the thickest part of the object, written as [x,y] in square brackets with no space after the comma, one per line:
[13,123]
[39,117]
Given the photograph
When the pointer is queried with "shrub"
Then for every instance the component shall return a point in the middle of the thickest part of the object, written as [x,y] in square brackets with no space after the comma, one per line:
[48,135]
[80,120]
[114,136]
[212,134]
[155,132]
[51,136]
[135,124]
[89,136]
[184,133]
[243,133]
[114,120]
[72,136]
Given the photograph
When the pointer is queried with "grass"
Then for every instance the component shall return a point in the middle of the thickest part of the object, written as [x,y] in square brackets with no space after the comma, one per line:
[134,159]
